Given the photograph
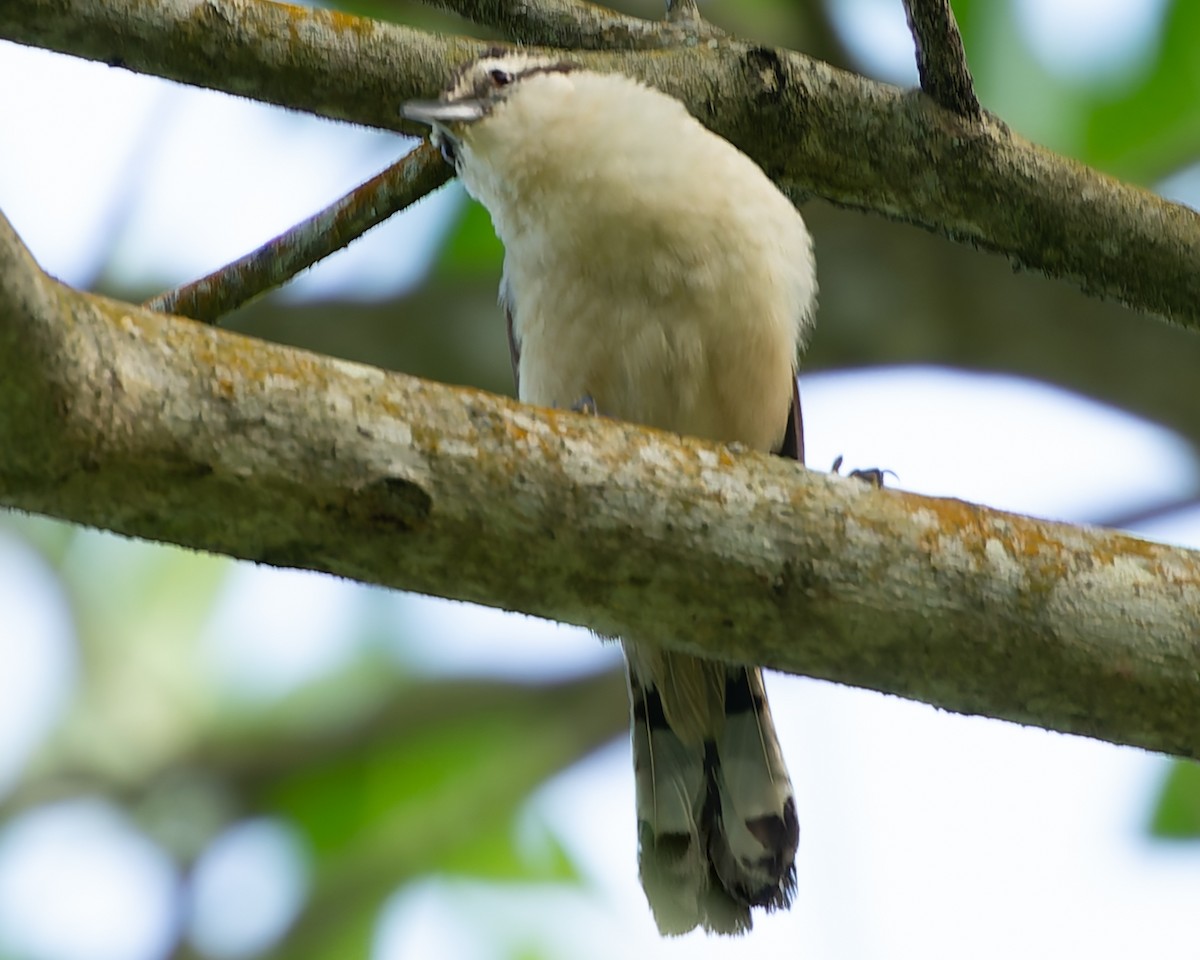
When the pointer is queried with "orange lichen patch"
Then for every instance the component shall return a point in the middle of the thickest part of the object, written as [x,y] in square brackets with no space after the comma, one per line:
[1119,544]
[958,517]
[515,431]
[1047,553]
[989,542]
[1028,539]
[426,440]
[236,361]
[297,15]
[344,22]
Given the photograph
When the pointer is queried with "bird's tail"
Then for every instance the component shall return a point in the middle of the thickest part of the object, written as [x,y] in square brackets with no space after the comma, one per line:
[717,829]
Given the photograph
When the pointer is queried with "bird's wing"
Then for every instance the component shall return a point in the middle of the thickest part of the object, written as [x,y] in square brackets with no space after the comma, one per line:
[514,345]
[792,445]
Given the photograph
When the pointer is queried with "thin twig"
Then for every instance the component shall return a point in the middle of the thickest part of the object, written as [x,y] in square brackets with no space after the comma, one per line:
[683,11]
[1132,519]
[278,260]
[941,61]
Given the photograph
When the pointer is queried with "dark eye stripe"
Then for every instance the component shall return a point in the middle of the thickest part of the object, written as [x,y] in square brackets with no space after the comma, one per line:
[480,79]
[560,67]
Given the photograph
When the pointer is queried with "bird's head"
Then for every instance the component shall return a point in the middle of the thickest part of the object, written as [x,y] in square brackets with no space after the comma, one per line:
[474,94]
[548,146]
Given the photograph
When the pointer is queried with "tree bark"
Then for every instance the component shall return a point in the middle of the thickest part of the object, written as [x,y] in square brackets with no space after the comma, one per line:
[814,128]
[159,427]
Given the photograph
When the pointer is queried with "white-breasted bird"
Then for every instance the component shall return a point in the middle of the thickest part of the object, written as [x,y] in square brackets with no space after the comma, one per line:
[653,271]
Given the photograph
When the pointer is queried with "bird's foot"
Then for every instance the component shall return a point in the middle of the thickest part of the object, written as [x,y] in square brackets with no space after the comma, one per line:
[869,475]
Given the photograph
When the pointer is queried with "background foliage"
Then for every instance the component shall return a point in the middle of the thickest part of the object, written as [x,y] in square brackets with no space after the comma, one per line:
[313,734]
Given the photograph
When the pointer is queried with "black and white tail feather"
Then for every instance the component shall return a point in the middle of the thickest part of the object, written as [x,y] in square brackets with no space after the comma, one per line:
[717,827]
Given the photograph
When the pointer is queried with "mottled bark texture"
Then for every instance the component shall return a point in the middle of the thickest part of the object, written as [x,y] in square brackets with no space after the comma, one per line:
[815,129]
[157,427]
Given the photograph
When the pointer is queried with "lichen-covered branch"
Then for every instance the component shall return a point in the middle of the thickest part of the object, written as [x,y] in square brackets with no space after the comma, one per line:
[306,58]
[815,129]
[575,24]
[157,427]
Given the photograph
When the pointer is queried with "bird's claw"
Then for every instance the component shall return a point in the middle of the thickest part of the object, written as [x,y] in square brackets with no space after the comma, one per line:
[586,405]
[869,475]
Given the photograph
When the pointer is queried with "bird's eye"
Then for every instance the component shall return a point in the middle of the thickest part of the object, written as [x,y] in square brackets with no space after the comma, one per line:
[500,78]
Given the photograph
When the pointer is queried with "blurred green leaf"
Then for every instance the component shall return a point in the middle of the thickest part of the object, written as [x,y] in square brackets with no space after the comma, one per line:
[1153,128]
[144,691]
[529,952]
[1140,129]
[337,935]
[415,775]
[437,770]
[471,249]
[1177,816]
[433,784]
[500,855]
[1012,82]
[50,537]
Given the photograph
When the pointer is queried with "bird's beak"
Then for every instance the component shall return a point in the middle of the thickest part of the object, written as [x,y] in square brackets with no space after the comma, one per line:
[438,113]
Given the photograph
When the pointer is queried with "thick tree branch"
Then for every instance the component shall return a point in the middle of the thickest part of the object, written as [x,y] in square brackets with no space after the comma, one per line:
[815,129]
[152,426]
[575,25]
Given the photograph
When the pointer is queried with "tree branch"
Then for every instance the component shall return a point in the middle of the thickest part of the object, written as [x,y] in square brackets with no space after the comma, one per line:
[575,25]
[114,416]
[815,129]
[416,174]
[941,60]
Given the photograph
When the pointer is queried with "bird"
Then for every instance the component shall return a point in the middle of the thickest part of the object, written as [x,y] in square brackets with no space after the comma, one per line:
[653,273]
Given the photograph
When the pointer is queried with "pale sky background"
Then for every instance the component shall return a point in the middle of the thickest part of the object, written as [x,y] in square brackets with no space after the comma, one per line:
[924,834]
